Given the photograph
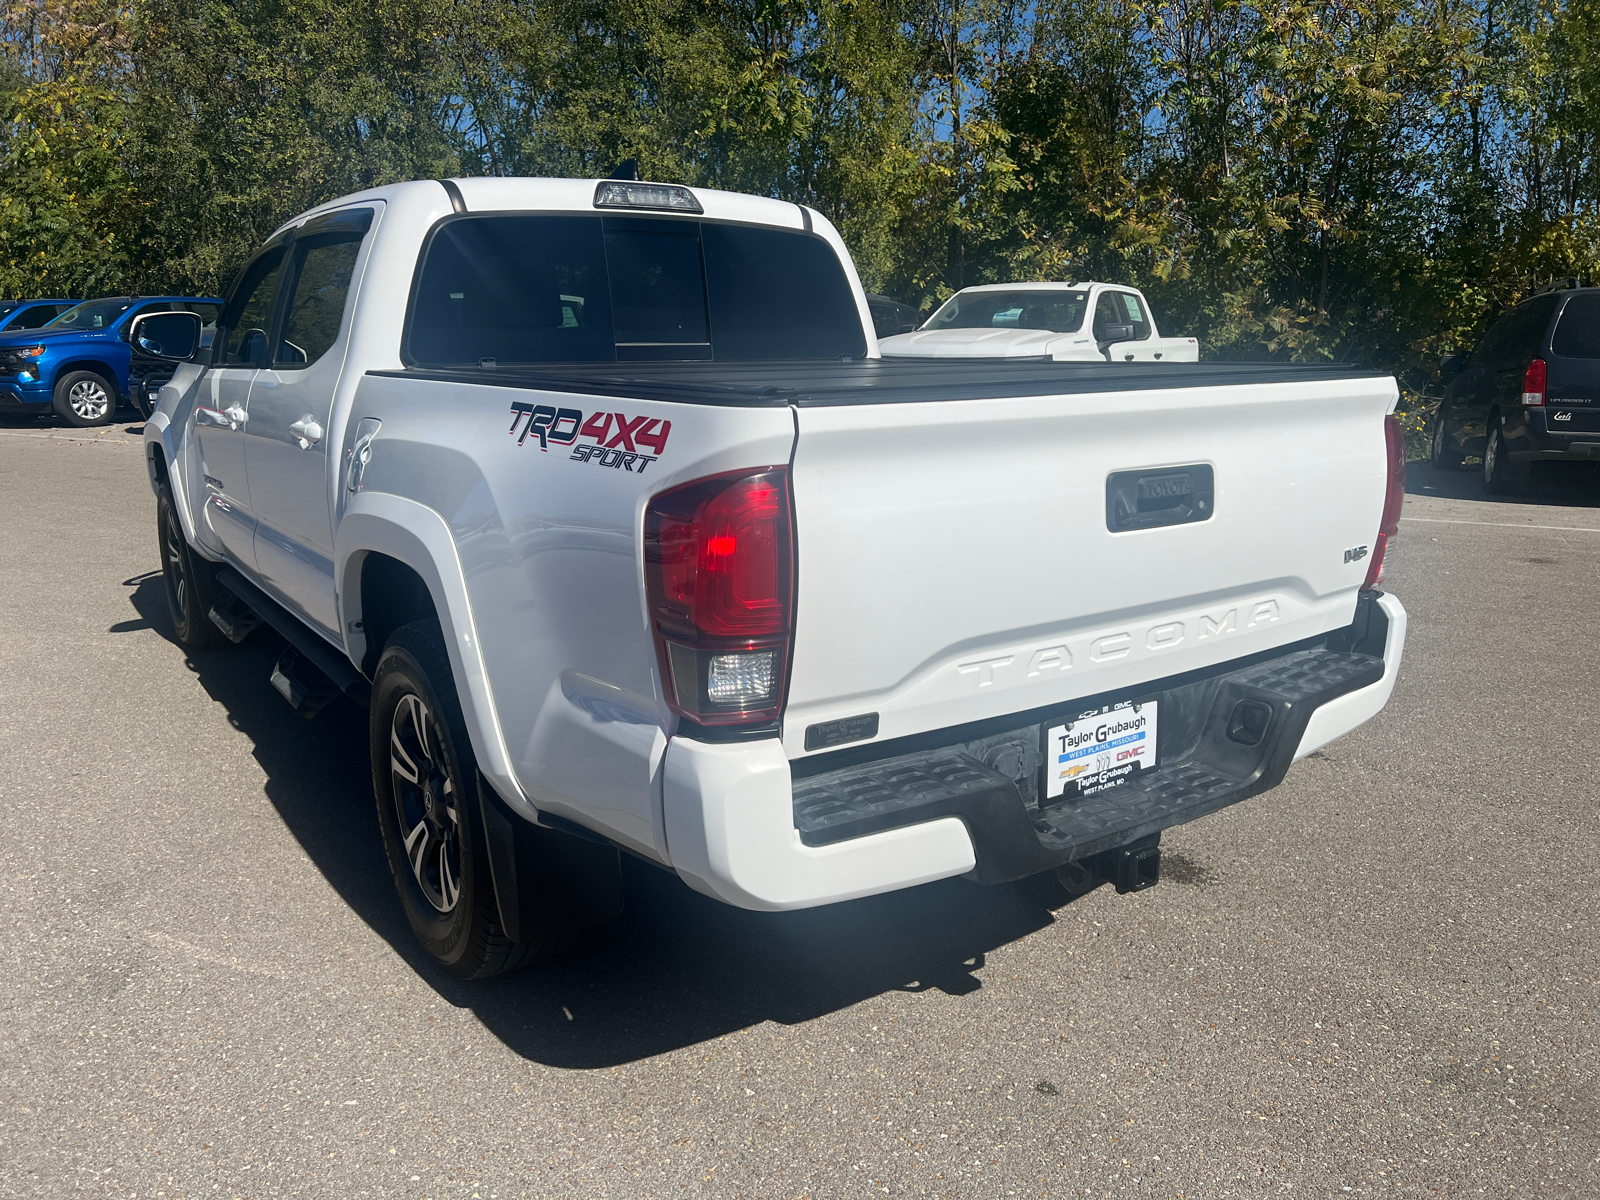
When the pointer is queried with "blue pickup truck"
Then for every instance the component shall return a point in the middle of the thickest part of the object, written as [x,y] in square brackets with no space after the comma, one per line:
[85,362]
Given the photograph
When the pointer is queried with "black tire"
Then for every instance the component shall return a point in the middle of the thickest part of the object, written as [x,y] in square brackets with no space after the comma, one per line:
[84,399]
[424,778]
[1497,480]
[1439,453]
[191,582]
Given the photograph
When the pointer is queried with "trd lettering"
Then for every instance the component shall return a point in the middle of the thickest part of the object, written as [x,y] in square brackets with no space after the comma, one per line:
[618,438]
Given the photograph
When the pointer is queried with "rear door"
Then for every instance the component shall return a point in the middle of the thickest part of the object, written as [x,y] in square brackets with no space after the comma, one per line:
[1524,341]
[1572,397]
[965,560]
[291,410]
[222,413]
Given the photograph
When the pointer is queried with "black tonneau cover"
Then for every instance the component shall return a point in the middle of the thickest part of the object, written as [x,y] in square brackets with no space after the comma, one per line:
[872,381]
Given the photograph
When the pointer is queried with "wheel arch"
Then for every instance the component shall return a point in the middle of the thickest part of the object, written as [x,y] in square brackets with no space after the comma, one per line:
[385,546]
[88,364]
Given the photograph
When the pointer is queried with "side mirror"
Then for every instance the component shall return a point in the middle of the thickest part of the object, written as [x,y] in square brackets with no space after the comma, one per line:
[1114,333]
[1450,364]
[169,336]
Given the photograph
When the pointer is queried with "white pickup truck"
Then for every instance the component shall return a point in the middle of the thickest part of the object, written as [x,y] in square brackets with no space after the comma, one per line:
[598,495]
[1045,321]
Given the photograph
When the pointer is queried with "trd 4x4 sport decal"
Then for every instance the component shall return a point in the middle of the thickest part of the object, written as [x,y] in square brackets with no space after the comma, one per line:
[619,441]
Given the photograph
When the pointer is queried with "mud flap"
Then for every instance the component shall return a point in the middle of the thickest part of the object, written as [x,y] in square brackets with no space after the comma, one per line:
[547,882]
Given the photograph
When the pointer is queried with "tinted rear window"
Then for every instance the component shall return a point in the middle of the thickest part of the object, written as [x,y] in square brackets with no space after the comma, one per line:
[1578,332]
[533,289]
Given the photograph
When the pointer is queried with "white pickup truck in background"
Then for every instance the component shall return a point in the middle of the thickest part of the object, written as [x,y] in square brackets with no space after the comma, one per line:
[1043,320]
[598,495]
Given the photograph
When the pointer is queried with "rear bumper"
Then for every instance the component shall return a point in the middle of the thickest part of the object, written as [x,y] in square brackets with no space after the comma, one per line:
[742,828]
[1539,441]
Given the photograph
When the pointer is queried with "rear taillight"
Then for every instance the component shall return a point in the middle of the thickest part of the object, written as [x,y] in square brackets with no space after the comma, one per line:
[1533,383]
[719,579]
[1394,497]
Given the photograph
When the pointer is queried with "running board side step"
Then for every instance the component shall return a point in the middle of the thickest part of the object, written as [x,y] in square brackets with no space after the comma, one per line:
[233,616]
[313,650]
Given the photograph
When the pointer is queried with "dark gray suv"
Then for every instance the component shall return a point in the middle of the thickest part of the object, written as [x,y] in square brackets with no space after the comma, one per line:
[1528,392]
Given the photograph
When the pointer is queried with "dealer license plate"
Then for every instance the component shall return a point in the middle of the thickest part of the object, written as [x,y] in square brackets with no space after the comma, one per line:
[1100,750]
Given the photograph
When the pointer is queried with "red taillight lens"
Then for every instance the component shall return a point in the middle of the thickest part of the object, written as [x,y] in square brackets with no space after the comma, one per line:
[1394,498]
[1533,380]
[718,578]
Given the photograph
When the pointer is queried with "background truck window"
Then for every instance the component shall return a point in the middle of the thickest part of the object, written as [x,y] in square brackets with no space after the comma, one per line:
[91,314]
[37,316]
[1057,312]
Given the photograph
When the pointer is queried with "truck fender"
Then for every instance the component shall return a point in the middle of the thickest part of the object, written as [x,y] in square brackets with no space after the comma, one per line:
[164,433]
[161,443]
[416,535]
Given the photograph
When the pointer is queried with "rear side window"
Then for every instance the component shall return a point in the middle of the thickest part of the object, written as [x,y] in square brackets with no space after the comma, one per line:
[1516,337]
[582,288]
[1578,331]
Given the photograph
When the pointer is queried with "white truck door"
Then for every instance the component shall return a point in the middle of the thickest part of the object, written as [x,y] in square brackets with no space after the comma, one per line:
[222,415]
[1123,327]
[291,408]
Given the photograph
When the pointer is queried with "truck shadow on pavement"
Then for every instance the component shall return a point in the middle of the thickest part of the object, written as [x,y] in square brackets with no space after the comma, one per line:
[674,970]
[1570,485]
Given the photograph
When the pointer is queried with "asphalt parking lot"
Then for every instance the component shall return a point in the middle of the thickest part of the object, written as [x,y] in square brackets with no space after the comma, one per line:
[1378,980]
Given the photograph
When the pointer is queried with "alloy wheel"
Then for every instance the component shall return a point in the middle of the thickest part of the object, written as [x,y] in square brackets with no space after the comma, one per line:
[426,802]
[89,400]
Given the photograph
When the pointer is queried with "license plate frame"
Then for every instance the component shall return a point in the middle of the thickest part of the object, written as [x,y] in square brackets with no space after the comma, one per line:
[1089,751]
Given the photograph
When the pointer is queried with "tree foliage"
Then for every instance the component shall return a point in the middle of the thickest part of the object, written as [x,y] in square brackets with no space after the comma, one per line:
[1322,179]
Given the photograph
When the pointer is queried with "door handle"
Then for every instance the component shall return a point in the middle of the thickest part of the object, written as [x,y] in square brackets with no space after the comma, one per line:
[236,416]
[210,417]
[307,430]
[361,452]
[1159,496]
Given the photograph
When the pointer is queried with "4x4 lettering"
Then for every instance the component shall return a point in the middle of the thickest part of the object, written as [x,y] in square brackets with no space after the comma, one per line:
[624,434]
[595,427]
[655,439]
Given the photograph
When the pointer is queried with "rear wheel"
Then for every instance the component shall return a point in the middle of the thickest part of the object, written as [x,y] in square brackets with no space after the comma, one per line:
[424,776]
[1497,479]
[190,581]
[84,399]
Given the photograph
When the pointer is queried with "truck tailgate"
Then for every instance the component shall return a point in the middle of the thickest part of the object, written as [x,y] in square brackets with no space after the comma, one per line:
[957,561]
